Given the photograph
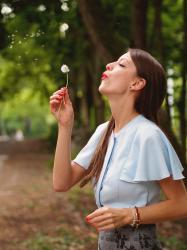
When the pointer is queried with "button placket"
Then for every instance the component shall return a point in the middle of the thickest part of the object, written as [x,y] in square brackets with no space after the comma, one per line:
[105,172]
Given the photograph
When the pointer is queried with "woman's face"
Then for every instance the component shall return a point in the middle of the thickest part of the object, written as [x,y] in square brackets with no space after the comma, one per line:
[118,76]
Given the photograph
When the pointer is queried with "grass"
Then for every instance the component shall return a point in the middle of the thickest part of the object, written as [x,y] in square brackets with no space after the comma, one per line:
[66,239]
[61,242]
[172,243]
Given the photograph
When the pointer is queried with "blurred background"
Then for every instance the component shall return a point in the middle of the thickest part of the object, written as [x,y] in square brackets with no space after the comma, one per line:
[36,38]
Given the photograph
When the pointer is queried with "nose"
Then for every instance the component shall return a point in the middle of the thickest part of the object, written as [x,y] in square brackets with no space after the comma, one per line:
[108,67]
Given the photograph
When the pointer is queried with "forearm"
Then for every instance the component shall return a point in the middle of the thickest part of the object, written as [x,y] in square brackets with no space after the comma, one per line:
[62,160]
[163,211]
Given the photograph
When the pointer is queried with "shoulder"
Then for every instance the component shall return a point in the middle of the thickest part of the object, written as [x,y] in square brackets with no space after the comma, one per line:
[149,131]
[151,156]
[99,130]
[102,127]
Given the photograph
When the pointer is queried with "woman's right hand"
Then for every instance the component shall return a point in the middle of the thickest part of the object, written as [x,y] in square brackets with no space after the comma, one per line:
[61,107]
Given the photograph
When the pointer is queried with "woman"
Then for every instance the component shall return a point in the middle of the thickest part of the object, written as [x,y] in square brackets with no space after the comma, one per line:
[128,159]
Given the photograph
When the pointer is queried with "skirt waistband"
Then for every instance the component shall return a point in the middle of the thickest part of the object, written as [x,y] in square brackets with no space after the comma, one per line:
[141,226]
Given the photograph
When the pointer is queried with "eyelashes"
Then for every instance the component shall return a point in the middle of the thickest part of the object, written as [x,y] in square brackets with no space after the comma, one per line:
[121,65]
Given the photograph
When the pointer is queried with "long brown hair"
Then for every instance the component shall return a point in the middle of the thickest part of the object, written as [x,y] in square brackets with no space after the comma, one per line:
[148,103]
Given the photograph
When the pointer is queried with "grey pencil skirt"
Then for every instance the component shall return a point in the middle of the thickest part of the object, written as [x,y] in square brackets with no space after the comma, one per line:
[129,238]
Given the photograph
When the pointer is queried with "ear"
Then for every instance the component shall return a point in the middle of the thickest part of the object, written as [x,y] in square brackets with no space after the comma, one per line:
[139,83]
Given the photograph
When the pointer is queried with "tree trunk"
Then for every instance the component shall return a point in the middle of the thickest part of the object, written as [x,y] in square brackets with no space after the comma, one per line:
[158,46]
[95,23]
[184,83]
[99,103]
[139,23]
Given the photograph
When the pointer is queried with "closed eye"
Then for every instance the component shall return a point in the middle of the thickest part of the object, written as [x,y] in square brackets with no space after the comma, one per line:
[121,65]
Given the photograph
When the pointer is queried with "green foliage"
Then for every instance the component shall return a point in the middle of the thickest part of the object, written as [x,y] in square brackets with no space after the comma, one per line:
[25,111]
[173,243]
[32,61]
[62,242]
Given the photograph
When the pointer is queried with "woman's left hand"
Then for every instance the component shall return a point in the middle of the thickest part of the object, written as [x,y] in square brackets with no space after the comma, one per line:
[106,218]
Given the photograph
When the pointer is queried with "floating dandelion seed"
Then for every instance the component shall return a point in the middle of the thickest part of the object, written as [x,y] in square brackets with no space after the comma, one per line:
[6,10]
[64,27]
[64,7]
[41,8]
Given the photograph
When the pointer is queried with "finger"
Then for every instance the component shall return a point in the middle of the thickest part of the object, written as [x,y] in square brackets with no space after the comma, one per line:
[100,218]
[97,212]
[66,97]
[59,91]
[53,97]
[60,106]
[104,223]
[53,108]
[54,102]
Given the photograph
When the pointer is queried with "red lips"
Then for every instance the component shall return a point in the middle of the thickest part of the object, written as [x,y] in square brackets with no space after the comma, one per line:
[104,76]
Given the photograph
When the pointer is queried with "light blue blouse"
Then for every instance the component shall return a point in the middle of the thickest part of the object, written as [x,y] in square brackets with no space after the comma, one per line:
[137,155]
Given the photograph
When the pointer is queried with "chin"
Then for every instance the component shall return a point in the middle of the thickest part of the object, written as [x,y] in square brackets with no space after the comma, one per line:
[103,90]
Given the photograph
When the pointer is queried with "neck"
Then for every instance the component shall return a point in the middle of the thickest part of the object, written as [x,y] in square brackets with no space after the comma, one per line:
[122,112]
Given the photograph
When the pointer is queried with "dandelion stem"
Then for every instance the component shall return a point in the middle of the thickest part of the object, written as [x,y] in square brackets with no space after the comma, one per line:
[67,81]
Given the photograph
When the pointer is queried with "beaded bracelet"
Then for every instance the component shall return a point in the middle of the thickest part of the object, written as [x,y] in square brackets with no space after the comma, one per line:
[136,217]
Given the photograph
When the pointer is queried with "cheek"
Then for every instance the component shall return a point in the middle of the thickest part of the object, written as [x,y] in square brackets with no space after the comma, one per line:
[122,81]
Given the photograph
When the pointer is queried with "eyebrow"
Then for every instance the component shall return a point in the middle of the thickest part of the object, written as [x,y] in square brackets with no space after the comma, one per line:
[121,58]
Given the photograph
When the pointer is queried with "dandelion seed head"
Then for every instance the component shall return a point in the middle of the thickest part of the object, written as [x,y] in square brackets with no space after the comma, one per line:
[64,68]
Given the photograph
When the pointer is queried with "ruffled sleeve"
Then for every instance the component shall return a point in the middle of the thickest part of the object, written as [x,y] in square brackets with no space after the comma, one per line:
[151,157]
[85,155]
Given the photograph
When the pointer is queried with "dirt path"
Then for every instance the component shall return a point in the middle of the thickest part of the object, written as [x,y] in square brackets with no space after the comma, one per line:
[31,211]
